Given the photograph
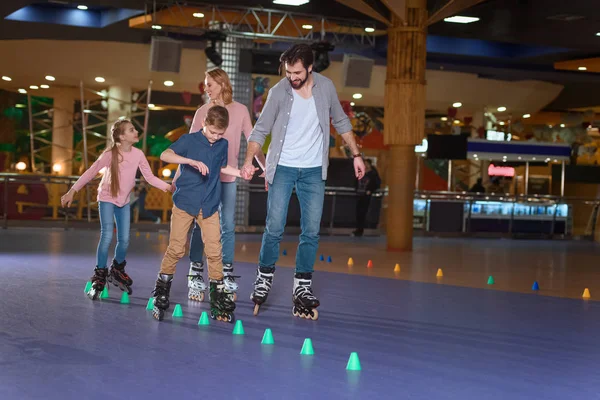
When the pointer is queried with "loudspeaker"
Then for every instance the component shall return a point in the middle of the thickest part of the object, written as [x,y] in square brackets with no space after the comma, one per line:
[357,71]
[263,62]
[165,54]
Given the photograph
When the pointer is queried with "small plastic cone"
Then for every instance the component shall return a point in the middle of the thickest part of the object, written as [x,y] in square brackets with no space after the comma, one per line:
[88,286]
[238,329]
[370,264]
[353,362]
[586,294]
[104,294]
[440,273]
[397,268]
[322,258]
[307,348]
[285,252]
[490,280]
[204,319]
[268,337]
[350,262]
[178,312]
[125,298]
[244,247]
[147,236]
[137,234]
[150,305]
[329,259]
[535,286]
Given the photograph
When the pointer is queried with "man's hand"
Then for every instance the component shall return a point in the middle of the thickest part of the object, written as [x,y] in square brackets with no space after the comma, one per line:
[359,167]
[247,171]
[200,166]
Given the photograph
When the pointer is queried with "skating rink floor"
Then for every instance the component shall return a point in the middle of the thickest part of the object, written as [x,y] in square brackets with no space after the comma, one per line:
[417,336]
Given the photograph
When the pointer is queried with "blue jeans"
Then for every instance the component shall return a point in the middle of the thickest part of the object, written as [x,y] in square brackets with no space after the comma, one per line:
[227,216]
[310,189]
[109,213]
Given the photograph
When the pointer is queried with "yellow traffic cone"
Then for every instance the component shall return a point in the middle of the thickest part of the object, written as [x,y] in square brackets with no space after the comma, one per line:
[439,273]
[350,262]
[397,268]
[586,293]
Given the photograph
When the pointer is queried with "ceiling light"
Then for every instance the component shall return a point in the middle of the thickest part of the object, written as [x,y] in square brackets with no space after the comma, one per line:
[456,121]
[45,86]
[82,7]
[290,2]
[151,105]
[99,79]
[582,68]
[458,104]
[369,30]
[598,34]
[50,78]
[444,118]
[475,155]
[357,96]
[352,104]
[526,116]
[458,19]
[157,27]
[33,87]
[198,15]
[562,125]
[307,26]
[501,109]
[169,83]
[501,122]
[22,91]
[6,78]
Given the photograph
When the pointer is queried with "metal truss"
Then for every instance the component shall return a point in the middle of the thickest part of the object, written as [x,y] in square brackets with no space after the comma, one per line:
[257,23]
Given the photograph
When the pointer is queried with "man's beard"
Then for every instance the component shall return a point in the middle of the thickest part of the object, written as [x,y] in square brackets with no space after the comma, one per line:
[300,84]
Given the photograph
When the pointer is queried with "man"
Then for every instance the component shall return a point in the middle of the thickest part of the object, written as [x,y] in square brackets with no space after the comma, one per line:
[366,186]
[297,113]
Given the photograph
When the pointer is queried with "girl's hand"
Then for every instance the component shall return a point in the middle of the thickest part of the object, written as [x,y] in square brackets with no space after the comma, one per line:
[67,199]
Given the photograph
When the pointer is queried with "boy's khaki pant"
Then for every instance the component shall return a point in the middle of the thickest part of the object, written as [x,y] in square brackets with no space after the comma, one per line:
[181,222]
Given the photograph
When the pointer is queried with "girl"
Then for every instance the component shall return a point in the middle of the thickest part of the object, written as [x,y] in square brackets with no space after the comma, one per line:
[220,92]
[120,162]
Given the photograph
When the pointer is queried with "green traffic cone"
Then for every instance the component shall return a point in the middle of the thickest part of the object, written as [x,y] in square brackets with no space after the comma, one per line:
[238,329]
[268,337]
[491,280]
[353,362]
[178,312]
[88,286]
[204,319]
[307,348]
[150,305]
[104,294]
[125,298]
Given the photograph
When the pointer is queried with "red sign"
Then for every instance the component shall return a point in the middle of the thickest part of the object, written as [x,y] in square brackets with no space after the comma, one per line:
[494,170]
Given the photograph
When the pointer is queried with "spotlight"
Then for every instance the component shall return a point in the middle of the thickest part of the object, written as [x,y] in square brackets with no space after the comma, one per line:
[322,50]
[213,55]
[211,52]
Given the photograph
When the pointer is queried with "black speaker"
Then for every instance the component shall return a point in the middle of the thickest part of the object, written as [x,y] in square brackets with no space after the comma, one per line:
[264,62]
[165,54]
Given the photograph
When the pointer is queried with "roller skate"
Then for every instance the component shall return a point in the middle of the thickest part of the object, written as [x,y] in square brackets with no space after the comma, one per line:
[231,285]
[161,292]
[221,306]
[262,286]
[119,277]
[305,302]
[196,284]
[98,283]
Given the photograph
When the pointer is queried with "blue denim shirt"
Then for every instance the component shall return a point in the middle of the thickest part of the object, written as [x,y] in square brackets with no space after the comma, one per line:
[275,116]
[194,191]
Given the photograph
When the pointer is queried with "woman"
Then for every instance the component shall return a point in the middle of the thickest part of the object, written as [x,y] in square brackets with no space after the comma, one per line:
[218,88]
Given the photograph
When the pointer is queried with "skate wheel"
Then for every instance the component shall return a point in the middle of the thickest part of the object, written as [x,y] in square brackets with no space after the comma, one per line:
[314,315]
[129,290]
[235,297]
[158,314]
[256,308]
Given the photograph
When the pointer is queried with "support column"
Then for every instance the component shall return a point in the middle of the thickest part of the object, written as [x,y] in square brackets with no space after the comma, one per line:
[404,117]
[119,105]
[62,133]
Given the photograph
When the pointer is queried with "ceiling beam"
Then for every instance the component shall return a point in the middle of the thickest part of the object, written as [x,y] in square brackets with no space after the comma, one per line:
[362,7]
[397,7]
[452,7]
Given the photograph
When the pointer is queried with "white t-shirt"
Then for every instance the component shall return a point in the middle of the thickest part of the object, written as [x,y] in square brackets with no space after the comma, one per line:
[303,141]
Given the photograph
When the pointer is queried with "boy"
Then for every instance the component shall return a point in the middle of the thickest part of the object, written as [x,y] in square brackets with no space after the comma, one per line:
[203,156]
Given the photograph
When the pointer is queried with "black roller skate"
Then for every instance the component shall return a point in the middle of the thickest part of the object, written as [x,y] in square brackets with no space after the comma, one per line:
[262,286]
[119,277]
[231,285]
[196,284]
[161,292]
[221,306]
[305,302]
[98,283]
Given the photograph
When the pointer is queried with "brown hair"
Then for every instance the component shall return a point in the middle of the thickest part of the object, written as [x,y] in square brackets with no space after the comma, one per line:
[218,117]
[298,52]
[222,79]
[116,131]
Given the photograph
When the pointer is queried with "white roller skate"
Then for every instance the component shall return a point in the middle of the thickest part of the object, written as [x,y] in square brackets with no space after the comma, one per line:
[231,285]
[262,286]
[196,283]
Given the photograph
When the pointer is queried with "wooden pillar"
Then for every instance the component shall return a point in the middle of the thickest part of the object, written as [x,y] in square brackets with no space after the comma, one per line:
[404,118]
